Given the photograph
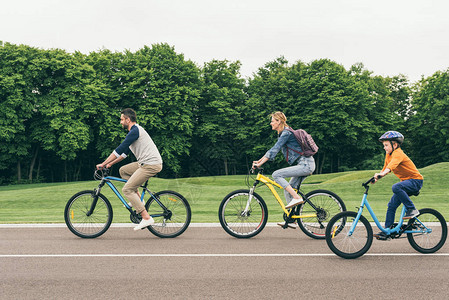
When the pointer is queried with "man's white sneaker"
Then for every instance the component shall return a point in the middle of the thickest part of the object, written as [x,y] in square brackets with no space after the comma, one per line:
[294,202]
[144,224]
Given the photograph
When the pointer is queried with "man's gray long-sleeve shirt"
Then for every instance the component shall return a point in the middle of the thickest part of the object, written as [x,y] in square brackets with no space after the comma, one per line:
[139,142]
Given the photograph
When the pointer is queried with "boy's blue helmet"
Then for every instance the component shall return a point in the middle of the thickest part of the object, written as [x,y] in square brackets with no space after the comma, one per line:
[392,136]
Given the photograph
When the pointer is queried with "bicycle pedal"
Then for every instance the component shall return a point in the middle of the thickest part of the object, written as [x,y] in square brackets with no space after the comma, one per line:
[287,225]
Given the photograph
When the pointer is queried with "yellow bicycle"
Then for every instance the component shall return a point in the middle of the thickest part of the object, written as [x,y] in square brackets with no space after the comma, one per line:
[244,214]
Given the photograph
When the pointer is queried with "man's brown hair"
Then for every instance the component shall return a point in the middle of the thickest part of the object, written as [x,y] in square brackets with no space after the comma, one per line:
[130,113]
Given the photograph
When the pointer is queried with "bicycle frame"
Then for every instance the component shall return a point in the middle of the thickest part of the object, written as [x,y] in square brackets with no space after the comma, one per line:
[388,231]
[107,180]
[270,183]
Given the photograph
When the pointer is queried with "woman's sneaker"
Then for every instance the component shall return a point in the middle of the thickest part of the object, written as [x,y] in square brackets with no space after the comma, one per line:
[294,202]
[144,223]
[411,213]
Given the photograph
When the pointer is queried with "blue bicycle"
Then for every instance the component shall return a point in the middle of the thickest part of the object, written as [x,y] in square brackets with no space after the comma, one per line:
[88,214]
[349,238]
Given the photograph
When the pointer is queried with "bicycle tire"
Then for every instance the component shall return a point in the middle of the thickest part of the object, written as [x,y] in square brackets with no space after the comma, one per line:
[232,220]
[76,219]
[171,223]
[427,242]
[328,205]
[345,246]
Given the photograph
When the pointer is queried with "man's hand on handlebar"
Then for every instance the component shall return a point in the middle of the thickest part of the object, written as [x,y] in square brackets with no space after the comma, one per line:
[102,166]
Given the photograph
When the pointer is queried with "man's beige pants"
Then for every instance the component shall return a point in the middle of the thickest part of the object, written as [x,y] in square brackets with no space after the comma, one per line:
[137,174]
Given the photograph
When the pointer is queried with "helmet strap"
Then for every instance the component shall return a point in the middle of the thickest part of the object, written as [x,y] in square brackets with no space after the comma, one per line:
[392,146]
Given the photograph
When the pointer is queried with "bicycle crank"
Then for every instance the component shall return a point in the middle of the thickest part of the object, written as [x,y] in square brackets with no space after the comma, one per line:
[135,218]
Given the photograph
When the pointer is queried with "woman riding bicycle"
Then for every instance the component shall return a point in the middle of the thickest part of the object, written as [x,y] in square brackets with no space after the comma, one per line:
[302,165]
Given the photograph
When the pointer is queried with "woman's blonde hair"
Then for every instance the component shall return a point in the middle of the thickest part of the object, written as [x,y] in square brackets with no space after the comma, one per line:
[279,116]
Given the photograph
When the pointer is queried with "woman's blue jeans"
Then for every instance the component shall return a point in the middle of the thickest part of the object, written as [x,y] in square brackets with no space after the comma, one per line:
[400,195]
[304,167]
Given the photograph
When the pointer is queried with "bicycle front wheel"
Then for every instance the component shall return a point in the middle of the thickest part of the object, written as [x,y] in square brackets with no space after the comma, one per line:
[341,242]
[84,225]
[239,221]
[326,204]
[171,213]
[429,231]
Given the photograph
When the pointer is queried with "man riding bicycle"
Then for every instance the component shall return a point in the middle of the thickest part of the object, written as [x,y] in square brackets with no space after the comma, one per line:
[149,163]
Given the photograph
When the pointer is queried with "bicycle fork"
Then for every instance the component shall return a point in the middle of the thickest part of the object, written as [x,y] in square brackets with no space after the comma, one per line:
[250,198]
[248,203]
[95,198]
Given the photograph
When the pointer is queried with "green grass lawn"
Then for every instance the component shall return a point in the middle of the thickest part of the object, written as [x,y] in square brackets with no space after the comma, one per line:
[44,203]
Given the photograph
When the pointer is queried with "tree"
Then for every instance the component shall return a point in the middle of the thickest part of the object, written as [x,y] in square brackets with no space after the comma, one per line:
[219,127]
[429,122]
[163,88]
[17,103]
[67,95]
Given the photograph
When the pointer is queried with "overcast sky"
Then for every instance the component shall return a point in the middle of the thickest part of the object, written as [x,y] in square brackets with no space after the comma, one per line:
[389,37]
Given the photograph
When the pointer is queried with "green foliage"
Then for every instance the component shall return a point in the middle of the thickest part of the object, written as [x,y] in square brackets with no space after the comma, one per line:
[430,122]
[218,118]
[59,112]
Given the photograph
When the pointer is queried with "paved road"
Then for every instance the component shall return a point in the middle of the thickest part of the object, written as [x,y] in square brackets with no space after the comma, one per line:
[206,263]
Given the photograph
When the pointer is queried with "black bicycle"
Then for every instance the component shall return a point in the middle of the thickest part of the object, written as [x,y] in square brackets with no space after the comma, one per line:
[88,214]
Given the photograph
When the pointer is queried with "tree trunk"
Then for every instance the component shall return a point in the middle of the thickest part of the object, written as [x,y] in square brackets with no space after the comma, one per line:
[33,162]
[226,166]
[19,172]
[322,163]
[65,171]
[78,171]
[38,168]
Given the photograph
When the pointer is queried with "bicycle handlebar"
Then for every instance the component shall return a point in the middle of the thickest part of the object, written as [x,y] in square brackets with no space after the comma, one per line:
[372,179]
[253,170]
[99,174]
[368,182]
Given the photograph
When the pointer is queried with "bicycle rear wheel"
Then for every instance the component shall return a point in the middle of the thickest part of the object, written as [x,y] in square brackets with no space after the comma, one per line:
[327,204]
[82,225]
[172,218]
[343,244]
[431,231]
[238,223]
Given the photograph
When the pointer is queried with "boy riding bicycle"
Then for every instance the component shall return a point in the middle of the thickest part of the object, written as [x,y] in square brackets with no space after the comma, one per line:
[402,166]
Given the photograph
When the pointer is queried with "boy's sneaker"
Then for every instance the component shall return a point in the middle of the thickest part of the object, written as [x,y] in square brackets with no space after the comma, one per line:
[381,236]
[144,224]
[294,202]
[411,213]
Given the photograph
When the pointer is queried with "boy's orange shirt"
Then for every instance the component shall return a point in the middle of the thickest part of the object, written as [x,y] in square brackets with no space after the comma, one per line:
[401,165]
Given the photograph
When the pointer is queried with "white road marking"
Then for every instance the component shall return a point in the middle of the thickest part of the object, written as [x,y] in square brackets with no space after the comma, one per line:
[120,225]
[208,255]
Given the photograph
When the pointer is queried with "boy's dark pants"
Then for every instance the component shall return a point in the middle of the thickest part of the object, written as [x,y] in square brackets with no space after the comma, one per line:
[400,195]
